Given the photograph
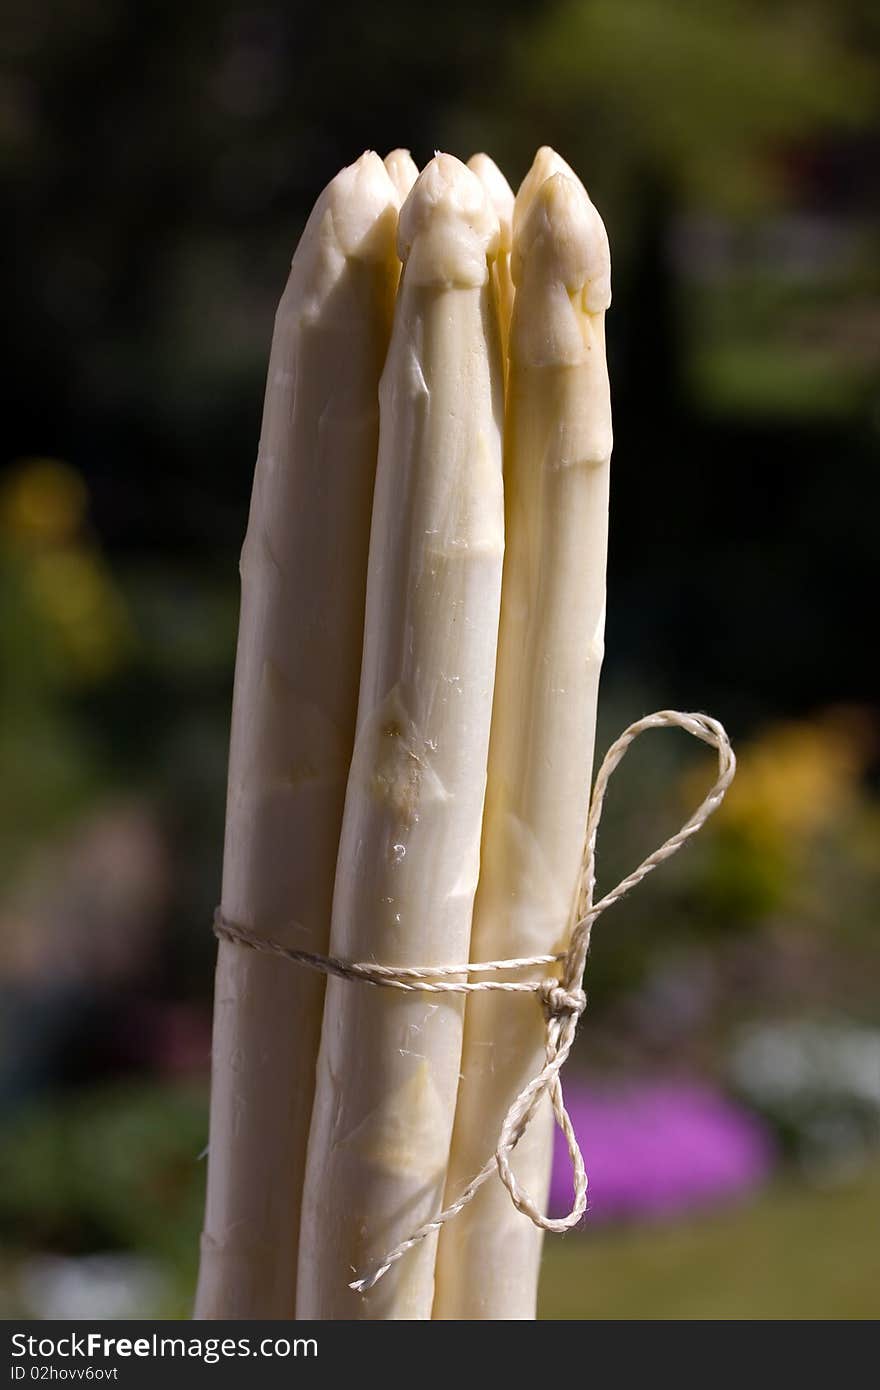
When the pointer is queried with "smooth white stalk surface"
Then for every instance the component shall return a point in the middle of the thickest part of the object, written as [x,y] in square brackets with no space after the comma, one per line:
[557,450]
[409,853]
[303,572]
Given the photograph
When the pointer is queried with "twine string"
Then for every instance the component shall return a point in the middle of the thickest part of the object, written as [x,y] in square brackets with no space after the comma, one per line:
[562,997]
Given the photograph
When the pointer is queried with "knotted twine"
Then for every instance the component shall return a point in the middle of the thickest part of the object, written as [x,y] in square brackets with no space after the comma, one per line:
[562,996]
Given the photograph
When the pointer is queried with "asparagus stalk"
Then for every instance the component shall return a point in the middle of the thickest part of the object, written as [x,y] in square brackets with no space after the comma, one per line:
[500,196]
[402,170]
[409,851]
[303,572]
[557,449]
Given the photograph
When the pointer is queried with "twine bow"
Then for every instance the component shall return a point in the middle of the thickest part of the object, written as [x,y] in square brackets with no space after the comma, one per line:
[562,998]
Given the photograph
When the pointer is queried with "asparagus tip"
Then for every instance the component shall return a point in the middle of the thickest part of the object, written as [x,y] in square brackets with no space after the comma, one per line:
[402,170]
[357,205]
[564,229]
[449,213]
[545,164]
[499,191]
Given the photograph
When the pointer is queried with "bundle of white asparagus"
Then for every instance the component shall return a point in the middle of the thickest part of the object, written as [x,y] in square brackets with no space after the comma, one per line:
[412,737]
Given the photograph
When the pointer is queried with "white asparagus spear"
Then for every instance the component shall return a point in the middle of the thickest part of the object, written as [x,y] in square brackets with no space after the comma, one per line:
[303,572]
[501,197]
[403,171]
[409,852]
[557,449]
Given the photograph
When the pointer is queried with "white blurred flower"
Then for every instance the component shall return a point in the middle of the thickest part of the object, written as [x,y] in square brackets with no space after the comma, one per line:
[91,1286]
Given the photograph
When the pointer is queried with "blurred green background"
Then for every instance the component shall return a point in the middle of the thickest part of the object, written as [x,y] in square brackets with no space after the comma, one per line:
[158,163]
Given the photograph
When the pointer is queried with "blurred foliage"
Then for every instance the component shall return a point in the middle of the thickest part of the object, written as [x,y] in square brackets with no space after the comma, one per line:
[711,97]
[109,684]
[61,624]
[108,1169]
[772,908]
[783,322]
[797,1253]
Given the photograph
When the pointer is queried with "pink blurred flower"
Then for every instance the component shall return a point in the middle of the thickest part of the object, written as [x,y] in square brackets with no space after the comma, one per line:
[655,1148]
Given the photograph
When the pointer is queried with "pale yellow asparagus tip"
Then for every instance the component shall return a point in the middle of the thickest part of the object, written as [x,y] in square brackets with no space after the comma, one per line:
[447,227]
[402,170]
[545,164]
[564,234]
[353,216]
[500,194]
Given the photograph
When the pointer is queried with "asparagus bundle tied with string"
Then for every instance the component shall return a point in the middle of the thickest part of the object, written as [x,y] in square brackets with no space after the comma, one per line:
[403,1101]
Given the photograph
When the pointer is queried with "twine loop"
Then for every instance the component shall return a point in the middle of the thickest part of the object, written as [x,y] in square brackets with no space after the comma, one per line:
[561,996]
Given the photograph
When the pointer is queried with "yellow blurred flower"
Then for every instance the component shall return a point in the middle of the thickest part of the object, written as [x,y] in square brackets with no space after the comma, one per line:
[797,778]
[795,782]
[71,592]
[42,499]
[74,591]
